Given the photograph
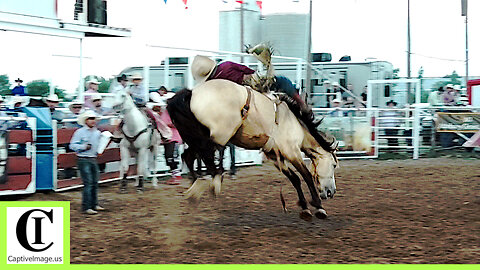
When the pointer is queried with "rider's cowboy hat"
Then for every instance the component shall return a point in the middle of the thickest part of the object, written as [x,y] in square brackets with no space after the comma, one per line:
[122,77]
[52,98]
[136,76]
[94,81]
[19,80]
[202,68]
[84,116]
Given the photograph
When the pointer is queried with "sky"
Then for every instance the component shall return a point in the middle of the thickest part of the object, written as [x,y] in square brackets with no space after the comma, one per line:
[359,28]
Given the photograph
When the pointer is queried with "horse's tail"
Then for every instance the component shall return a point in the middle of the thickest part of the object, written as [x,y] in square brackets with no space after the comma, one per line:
[188,126]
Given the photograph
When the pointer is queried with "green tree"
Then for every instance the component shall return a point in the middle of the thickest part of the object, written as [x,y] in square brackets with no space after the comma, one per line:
[42,88]
[4,85]
[454,79]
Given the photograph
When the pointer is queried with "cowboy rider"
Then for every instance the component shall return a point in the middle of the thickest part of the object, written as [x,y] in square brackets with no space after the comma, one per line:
[204,69]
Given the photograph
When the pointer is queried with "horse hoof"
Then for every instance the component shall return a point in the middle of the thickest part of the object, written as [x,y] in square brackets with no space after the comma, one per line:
[321,213]
[122,191]
[306,215]
[140,190]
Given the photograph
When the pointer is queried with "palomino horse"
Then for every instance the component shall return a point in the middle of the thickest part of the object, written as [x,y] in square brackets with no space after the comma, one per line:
[139,137]
[219,111]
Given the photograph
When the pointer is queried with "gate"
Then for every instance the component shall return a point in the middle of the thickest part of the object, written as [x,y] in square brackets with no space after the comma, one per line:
[17,155]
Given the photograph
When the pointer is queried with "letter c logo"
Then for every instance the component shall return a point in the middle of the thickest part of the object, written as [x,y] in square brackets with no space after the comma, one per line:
[22,230]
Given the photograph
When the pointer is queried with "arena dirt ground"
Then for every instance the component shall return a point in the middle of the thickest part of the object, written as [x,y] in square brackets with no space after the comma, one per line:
[385,211]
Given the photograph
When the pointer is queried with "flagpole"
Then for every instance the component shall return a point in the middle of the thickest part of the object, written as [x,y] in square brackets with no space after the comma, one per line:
[241,30]
[308,68]
[466,42]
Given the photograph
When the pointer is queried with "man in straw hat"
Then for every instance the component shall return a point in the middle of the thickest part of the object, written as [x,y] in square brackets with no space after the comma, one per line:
[19,89]
[85,143]
[92,88]
[140,97]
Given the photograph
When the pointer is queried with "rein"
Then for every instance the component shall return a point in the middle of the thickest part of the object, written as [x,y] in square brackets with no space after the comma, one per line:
[246,107]
[131,140]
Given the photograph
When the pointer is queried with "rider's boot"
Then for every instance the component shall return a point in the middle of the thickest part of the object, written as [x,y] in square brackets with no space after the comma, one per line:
[309,116]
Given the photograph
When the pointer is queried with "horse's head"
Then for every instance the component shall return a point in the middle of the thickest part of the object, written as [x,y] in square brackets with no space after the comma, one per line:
[120,101]
[324,162]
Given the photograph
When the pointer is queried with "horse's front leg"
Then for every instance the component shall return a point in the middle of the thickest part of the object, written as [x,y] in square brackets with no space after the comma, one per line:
[142,167]
[305,214]
[301,167]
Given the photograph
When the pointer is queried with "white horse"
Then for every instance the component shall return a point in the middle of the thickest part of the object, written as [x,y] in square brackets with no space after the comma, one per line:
[140,138]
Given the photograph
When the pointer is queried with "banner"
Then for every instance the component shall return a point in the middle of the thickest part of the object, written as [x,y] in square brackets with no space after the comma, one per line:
[458,122]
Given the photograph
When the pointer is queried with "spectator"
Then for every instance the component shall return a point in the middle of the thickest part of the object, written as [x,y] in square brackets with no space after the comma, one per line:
[52,102]
[336,105]
[337,90]
[17,104]
[85,143]
[233,168]
[160,95]
[364,95]
[449,96]
[171,147]
[329,92]
[92,88]
[76,108]
[97,106]
[390,123]
[435,98]
[122,84]
[19,90]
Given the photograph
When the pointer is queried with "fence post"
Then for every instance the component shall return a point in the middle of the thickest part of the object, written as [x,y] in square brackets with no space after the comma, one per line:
[166,75]
[416,132]
[299,76]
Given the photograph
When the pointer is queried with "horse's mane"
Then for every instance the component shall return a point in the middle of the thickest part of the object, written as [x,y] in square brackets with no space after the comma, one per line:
[325,141]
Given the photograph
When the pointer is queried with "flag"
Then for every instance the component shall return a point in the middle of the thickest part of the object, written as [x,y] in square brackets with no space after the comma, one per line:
[185,2]
[259,4]
[165,1]
[239,1]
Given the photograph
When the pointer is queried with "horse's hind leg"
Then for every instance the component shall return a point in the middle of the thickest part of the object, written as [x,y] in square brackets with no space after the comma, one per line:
[152,165]
[124,160]
[189,156]
[199,186]
[142,167]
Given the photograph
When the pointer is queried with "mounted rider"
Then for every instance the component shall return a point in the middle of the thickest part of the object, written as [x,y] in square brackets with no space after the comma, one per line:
[204,69]
[140,97]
